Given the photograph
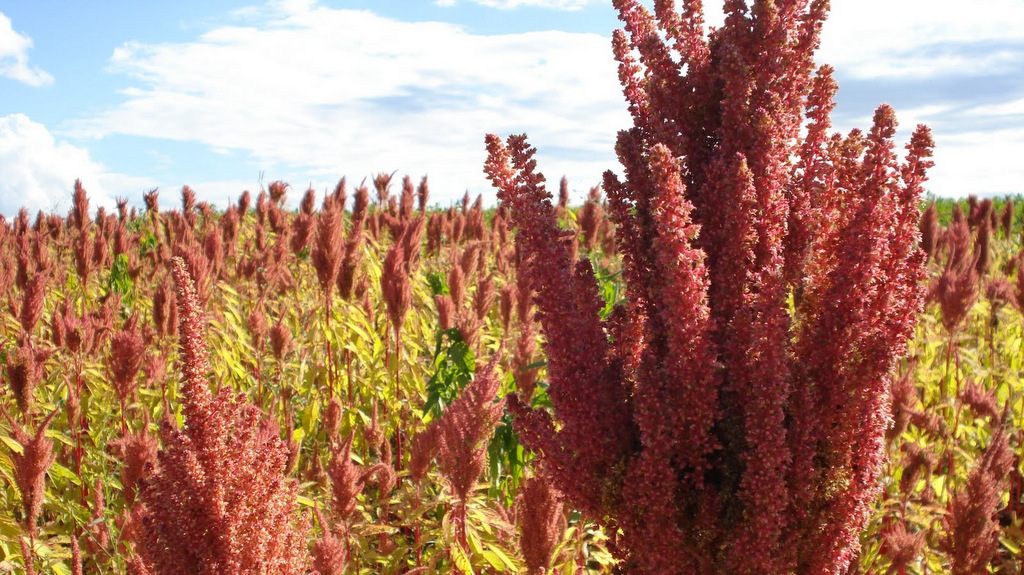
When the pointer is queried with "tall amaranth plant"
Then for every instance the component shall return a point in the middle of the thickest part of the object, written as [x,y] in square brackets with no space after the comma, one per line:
[729,417]
[218,501]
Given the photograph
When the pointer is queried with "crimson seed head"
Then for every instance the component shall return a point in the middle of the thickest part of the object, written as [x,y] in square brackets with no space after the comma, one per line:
[405,205]
[464,428]
[982,402]
[30,467]
[332,417]
[347,479]
[151,200]
[541,522]
[127,350]
[1007,218]
[80,207]
[328,248]
[244,201]
[280,339]
[165,313]
[137,452]
[507,300]
[382,183]
[24,372]
[330,551]
[929,230]
[76,557]
[278,190]
[445,311]
[32,303]
[396,287]
[219,460]
[257,324]
[188,200]
[971,534]
[424,449]
[422,195]
[902,546]
[27,556]
[957,288]
[590,218]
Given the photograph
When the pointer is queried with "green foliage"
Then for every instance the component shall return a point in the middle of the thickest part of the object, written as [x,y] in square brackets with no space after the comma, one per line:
[120,281]
[454,366]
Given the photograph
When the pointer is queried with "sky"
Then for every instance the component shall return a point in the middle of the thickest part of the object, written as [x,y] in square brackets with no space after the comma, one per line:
[230,95]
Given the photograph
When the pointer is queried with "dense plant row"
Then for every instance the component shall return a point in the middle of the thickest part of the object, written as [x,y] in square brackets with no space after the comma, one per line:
[391,470]
[354,335]
[708,371]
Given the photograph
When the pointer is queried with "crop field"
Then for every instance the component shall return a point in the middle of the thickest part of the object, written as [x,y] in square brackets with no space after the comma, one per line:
[761,349]
[356,388]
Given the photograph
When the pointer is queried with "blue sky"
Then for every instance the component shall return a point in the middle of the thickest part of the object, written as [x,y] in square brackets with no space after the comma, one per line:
[225,94]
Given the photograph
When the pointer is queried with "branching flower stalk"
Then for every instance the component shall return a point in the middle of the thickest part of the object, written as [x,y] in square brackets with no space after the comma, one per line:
[730,416]
[219,501]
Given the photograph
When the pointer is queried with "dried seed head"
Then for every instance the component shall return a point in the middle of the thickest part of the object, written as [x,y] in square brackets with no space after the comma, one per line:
[422,195]
[332,417]
[127,350]
[328,249]
[30,467]
[32,302]
[445,311]
[330,551]
[24,372]
[151,199]
[280,339]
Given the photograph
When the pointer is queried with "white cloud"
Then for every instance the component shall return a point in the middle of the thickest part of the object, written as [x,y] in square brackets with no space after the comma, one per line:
[39,172]
[969,163]
[922,38]
[298,88]
[905,39]
[14,49]
[345,92]
[1012,108]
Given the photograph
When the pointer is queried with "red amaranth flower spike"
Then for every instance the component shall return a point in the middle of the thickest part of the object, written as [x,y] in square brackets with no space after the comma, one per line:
[971,532]
[219,501]
[772,280]
[541,522]
[30,467]
[598,433]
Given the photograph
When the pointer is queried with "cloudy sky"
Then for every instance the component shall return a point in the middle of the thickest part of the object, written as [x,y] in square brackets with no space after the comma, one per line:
[228,95]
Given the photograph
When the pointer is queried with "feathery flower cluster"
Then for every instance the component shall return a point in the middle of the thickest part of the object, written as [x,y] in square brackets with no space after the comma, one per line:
[957,288]
[971,534]
[541,522]
[30,467]
[723,432]
[457,438]
[218,501]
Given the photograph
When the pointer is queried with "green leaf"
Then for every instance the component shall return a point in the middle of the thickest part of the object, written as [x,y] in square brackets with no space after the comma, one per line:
[13,445]
[498,552]
[493,559]
[58,470]
[461,560]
